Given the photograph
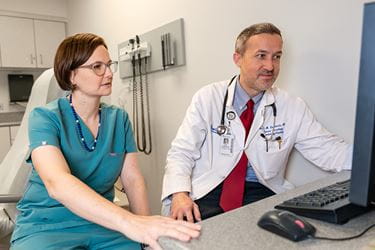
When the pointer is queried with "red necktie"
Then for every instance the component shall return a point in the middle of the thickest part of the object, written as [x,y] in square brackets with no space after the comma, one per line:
[234,185]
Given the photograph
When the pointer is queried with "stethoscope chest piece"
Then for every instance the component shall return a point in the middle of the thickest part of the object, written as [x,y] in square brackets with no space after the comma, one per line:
[231,115]
[221,129]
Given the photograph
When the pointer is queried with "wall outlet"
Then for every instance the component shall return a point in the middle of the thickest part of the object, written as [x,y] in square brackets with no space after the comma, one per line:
[1,106]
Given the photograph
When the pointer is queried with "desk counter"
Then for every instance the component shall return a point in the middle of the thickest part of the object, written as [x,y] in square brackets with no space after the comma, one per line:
[238,229]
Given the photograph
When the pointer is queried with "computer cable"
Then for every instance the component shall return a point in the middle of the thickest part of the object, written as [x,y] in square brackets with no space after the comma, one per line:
[344,238]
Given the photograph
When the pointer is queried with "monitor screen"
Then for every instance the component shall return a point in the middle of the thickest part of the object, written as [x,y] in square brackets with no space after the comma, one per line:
[362,189]
[20,87]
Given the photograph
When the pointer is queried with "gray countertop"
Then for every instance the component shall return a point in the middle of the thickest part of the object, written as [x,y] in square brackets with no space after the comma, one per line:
[238,229]
[12,116]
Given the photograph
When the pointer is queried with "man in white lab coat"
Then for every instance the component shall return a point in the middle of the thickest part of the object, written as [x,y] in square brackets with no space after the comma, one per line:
[234,142]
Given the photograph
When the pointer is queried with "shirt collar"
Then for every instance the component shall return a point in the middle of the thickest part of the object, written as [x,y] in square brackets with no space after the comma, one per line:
[241,97]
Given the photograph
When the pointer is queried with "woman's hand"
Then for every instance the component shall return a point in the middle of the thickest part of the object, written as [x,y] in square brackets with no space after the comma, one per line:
[148,229]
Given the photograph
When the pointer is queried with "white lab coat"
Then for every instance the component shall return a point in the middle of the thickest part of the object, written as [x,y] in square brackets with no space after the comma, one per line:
[195,164]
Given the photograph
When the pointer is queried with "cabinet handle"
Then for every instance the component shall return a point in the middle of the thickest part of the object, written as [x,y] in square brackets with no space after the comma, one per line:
[10,136]
[31,59]
[1,60]
[41,59]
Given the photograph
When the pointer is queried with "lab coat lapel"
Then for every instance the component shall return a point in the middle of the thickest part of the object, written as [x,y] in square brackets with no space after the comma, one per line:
[267,99]
[238,129]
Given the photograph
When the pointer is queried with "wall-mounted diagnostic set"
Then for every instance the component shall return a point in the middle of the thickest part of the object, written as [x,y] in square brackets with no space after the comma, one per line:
[156,50]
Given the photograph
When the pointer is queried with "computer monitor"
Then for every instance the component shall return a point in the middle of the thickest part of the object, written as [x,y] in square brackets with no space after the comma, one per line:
[362,188]
[331,203]
[20,86]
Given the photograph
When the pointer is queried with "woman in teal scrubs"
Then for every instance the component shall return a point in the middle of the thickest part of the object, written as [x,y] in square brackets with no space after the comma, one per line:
[79,147]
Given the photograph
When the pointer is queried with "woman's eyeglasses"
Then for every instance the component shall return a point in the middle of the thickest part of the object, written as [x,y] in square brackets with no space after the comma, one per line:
[99,68]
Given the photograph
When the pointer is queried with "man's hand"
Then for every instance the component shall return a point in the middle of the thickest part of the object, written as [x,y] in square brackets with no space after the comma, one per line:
[183,207]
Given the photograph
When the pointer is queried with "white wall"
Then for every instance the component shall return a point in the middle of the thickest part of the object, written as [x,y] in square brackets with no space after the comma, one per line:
[320,62]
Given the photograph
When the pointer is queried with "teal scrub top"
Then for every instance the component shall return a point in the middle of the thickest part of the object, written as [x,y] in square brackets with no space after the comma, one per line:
[55,125]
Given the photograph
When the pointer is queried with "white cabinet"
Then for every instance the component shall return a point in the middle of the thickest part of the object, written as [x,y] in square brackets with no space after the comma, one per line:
[29,43]
[7,135]
[12,133]
[5,142]
[17,42]
[48,36]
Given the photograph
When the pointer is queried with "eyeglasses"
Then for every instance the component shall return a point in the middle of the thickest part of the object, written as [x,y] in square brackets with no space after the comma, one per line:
[99,68]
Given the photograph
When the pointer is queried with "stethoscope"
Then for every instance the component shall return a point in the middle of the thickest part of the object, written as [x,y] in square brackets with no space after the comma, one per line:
[222,128]
[270,138]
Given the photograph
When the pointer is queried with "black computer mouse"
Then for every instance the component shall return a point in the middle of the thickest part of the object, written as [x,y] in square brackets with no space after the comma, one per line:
[286,224]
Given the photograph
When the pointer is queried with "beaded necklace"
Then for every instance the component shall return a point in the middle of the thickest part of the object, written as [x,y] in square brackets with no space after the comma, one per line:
[79,127]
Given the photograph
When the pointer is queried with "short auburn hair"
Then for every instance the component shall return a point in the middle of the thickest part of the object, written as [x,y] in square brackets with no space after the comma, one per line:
[73,52]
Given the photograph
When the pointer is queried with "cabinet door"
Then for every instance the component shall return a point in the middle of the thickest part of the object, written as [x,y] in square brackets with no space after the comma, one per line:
[17,47]
[5,142]
[13,132]
[48,36]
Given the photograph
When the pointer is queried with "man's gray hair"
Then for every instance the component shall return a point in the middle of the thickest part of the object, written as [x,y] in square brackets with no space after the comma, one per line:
[255,29]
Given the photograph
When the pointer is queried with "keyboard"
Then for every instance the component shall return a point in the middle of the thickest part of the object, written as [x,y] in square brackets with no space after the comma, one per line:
[330,203]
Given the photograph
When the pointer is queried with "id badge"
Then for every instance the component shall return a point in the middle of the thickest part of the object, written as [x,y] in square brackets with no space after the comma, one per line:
[226,144]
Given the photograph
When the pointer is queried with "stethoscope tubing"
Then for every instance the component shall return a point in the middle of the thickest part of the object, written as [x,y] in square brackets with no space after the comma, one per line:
[274,113]
[222,128]
[225,102]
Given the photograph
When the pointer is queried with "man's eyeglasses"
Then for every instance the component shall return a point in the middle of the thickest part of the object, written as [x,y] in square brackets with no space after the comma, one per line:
[99,68]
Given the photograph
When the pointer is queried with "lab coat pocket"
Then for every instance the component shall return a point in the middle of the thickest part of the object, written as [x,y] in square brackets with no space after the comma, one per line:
[271,162]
